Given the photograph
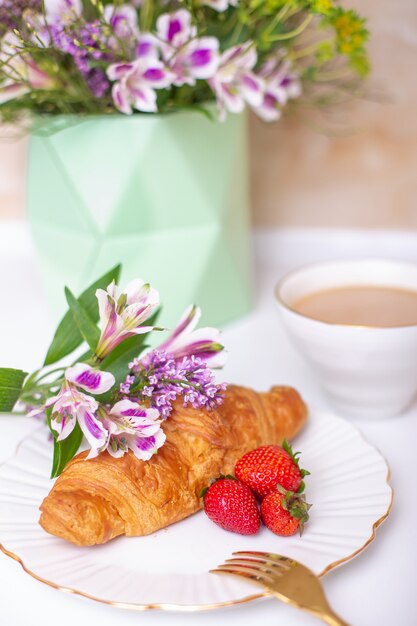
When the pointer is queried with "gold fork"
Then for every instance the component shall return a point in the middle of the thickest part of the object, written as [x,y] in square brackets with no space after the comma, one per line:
[287,579]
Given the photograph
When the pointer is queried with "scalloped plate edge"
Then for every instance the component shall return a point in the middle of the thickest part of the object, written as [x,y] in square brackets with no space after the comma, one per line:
[202,607]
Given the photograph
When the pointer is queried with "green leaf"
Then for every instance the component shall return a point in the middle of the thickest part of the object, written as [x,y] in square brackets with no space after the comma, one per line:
[11,383]
[29,380]
[82,319]
[65,450]
[117,362]
[67,336]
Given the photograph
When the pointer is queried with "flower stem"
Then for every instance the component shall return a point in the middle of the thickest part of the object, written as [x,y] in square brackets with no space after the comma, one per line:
[277,19]
[293,33]
[45,374]
[146,15]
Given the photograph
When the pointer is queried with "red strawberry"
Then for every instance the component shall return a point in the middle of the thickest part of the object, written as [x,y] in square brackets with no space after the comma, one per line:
[284,512]
[266,467]
[231,504]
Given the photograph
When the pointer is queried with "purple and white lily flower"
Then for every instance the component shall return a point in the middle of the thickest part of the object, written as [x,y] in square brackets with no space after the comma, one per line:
[199,59]
[127,425]
[234,83]
[134,427]
[186,341]
[174,30]
[280,86]
[123,20]
[218,5]
[122,314]
[187,56]
[136,83]
[62,11]
[71,406]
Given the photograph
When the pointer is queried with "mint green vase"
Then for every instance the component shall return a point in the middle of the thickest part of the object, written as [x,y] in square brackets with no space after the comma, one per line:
[166,196]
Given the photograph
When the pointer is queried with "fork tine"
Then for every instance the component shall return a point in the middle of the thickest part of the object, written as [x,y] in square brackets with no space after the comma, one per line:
[277,559]
[265,562]
[267,567]
[243,570]
[220,570]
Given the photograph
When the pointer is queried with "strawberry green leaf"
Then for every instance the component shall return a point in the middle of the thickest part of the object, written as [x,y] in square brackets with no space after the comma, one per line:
[295,457]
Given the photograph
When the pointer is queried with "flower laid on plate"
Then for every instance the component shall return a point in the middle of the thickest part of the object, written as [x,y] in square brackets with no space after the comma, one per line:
[119,392]
[69,56]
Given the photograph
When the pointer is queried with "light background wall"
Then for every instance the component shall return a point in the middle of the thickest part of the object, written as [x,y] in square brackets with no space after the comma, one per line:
[366,178]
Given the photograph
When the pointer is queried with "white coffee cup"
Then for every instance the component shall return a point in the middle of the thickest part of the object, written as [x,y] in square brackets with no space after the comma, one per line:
[366,371]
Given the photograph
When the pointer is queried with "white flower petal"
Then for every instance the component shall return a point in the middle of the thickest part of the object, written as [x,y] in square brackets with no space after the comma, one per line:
[64,426]
[94,431]
[127,409]
[121,99]
[145,448]
[252,89]
[219,5]
[233,101]
[119,70]
[93,453]
[89,379]
[269,110]
[175,28]
[144,99]
[134,314]
[135,291]
[147,47]
[202,58]
[39,411]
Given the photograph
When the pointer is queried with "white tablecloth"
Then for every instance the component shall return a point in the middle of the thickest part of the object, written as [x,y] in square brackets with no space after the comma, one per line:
[375,589]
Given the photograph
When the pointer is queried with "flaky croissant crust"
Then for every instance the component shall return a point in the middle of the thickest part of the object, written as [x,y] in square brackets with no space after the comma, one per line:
[96,500]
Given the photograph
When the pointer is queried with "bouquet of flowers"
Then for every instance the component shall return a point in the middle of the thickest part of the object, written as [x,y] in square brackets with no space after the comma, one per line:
[95,56]
[119,391]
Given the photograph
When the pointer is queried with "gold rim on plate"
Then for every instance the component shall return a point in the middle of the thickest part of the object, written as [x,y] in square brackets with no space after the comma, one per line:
[197,607]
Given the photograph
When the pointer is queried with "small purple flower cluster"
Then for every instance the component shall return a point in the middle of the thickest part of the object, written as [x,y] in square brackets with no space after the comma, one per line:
[159,379]
[85,46]
[11,11]
[125,387]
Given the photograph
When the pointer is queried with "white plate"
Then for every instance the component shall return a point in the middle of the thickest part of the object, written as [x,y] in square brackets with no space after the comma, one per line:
[348,487]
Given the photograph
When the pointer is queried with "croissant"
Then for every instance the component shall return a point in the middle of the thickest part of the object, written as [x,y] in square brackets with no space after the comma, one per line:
[96,500]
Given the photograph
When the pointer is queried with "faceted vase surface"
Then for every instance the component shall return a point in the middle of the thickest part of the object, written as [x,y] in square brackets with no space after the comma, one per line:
[166,195]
